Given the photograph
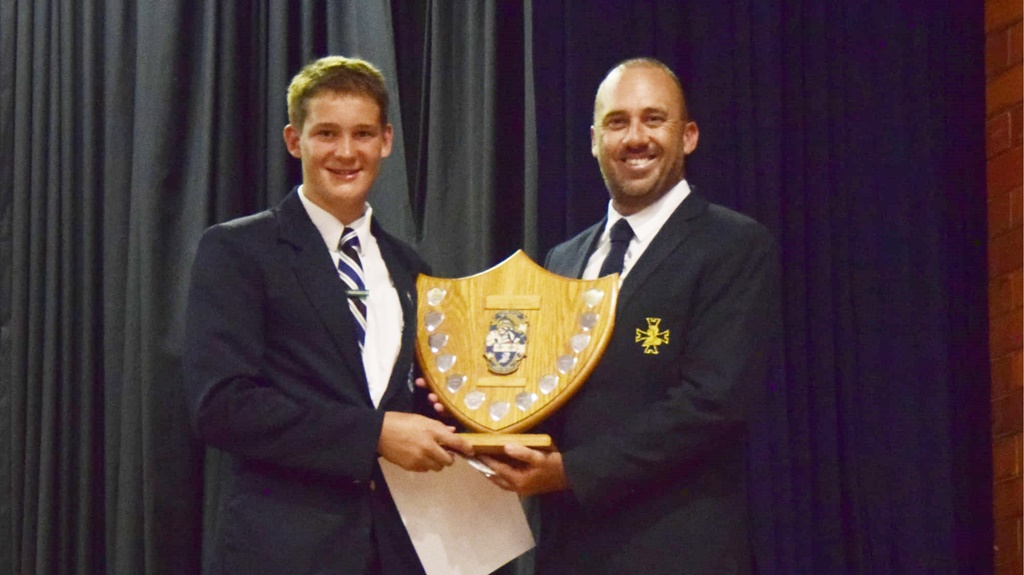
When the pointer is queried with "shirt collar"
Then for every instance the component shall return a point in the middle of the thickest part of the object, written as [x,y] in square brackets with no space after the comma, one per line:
[648,221]
[331,229]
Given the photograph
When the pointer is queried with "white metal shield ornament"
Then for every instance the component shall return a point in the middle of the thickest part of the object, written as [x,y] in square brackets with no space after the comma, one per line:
[505,348]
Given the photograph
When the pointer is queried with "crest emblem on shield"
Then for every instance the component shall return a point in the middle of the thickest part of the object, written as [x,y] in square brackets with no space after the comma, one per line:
[505,344]
[505,348]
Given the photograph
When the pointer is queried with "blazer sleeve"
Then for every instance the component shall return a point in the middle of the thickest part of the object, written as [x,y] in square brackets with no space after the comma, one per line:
[705,405]
[239,404]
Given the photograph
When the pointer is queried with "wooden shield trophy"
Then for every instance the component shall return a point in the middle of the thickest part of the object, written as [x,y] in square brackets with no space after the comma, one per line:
[506,348]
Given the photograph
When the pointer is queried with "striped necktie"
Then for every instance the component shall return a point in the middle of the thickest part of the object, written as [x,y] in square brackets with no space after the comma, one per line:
[351,271]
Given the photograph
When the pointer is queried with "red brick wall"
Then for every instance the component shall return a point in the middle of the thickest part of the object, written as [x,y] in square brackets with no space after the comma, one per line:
[1005,172]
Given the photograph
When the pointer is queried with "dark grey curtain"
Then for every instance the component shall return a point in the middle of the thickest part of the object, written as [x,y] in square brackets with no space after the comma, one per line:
[127,128]
[462,82]
[854,132]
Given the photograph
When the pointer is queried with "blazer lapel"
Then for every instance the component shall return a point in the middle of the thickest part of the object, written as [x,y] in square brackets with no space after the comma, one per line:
[590,242]
[580,249]
[669,239]
[323,288]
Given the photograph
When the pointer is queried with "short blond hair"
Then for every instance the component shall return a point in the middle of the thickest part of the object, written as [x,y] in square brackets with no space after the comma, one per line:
[335,74]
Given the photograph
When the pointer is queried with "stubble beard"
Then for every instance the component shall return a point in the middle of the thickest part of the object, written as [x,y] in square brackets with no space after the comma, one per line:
[631,197]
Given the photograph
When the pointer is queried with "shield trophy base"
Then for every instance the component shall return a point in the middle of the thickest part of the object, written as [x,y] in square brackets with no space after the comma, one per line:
[494,443]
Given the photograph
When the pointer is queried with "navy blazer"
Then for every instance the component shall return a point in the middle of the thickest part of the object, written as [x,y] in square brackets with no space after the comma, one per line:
[653,443]
[275,378]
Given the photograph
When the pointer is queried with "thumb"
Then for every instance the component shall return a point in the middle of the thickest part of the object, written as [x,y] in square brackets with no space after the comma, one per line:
[521,453]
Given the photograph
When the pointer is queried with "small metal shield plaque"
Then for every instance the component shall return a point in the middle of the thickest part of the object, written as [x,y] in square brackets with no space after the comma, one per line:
[505,348]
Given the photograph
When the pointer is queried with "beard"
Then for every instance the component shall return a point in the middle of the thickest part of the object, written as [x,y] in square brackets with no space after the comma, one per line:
[631,195]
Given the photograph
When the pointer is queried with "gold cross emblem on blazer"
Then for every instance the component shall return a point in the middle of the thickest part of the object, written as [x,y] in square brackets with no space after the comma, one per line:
[652,337]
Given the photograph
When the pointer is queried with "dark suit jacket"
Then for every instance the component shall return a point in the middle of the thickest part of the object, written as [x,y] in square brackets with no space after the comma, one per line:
[275,378]
[653,443]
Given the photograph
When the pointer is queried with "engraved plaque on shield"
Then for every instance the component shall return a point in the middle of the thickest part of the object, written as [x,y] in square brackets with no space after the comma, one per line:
[505,348]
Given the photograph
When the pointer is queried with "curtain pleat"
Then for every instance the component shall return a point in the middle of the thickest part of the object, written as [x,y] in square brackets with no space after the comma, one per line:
[854,133]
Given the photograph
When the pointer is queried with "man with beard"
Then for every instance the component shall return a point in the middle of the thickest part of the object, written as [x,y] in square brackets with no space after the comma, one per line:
[650,472]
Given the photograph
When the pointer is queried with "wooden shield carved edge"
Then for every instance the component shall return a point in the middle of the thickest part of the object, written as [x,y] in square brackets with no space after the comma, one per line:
[554,305]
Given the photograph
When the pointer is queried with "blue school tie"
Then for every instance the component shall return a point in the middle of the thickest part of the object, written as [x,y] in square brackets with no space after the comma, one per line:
[351,272]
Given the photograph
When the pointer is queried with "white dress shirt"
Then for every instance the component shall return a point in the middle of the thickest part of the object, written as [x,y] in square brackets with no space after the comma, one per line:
[646,224]
[384,321]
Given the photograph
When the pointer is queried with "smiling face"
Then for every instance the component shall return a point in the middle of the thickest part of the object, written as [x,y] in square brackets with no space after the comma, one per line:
[640,136]
[341,143]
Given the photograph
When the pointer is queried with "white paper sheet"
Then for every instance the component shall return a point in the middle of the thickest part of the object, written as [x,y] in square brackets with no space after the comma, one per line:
[459,522]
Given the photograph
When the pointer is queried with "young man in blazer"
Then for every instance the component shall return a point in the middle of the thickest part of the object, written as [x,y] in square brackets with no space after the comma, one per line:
[299,361]
[650,474]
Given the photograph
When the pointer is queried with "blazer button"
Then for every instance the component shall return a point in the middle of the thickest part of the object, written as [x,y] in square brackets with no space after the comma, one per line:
[373,485]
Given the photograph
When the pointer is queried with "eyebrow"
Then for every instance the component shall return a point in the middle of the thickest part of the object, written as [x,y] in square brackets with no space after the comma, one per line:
[647,110]
[361,126]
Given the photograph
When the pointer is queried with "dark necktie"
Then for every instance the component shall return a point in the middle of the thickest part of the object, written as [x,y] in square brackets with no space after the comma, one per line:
[620,234]
[351,271]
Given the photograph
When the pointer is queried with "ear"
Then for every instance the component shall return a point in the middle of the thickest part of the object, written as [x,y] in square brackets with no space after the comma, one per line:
[690,136]
[388,135]
[593,142]
[291,141]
